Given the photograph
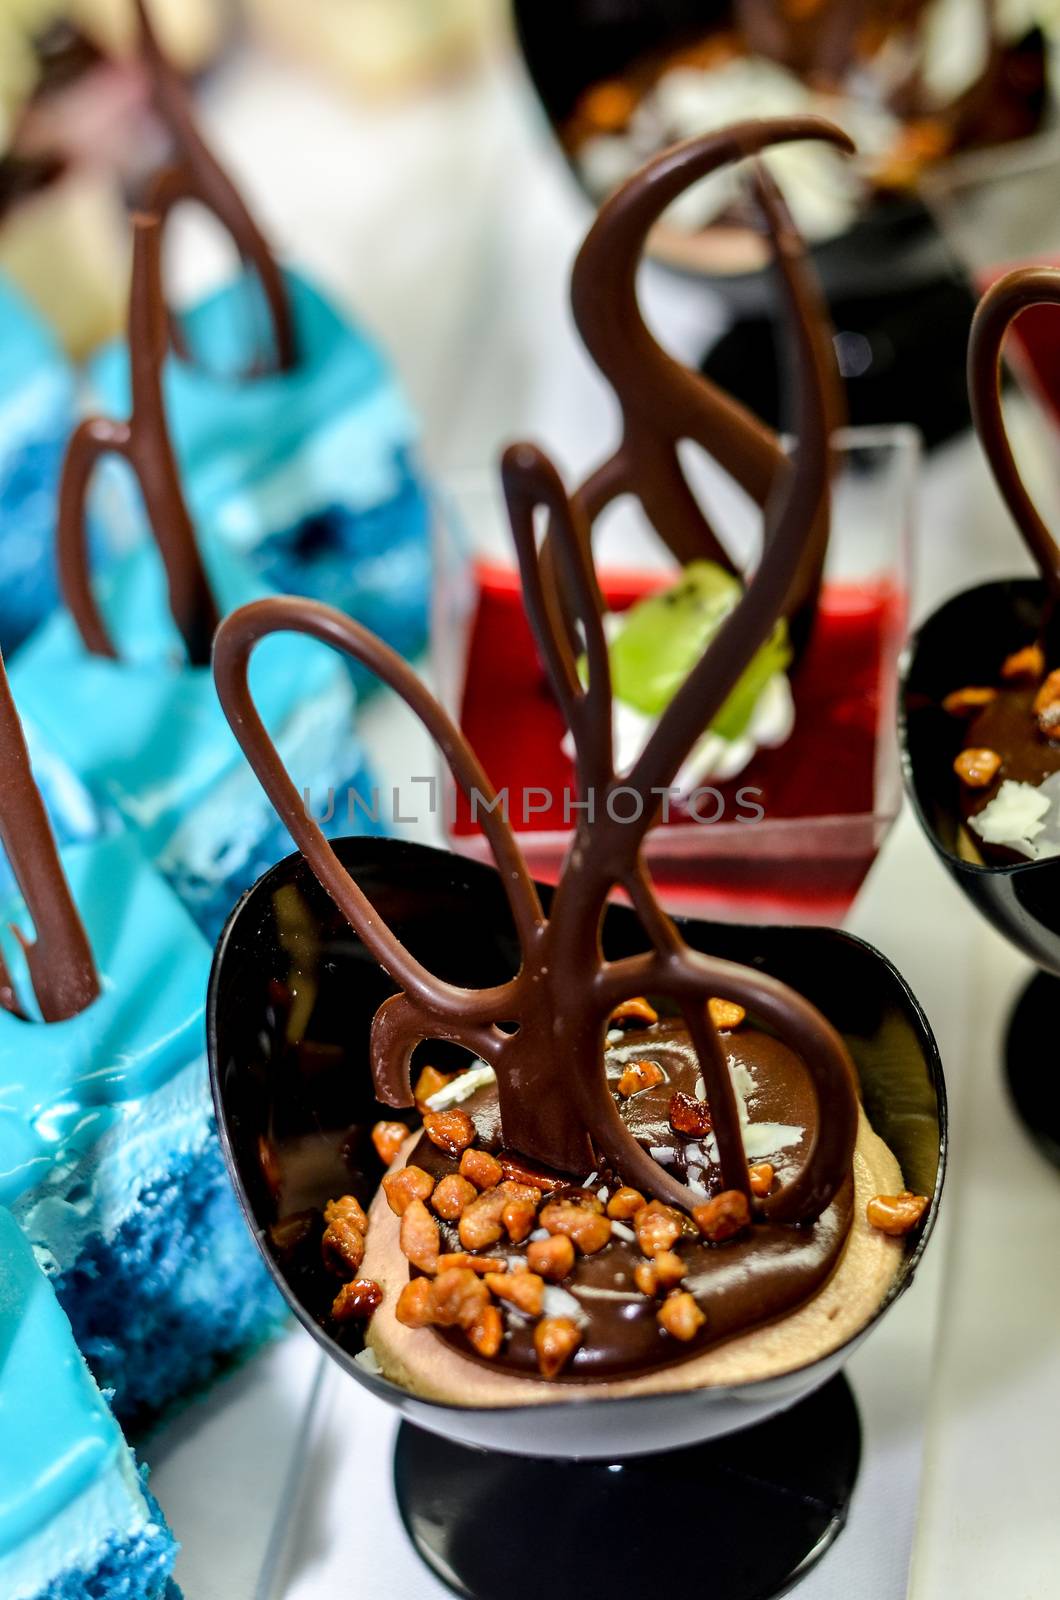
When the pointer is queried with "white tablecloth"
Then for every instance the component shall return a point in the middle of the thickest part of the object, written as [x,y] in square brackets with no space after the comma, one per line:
[450,227]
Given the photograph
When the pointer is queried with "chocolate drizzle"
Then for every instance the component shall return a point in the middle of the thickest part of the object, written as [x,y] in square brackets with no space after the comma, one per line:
[199,176]
[1016,292]
[59,959]
[661,401]
[143,441]
[543,1031]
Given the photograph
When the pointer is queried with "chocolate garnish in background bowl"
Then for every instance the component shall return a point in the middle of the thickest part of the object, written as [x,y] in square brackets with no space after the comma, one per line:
[542,1032]
[1007,736]
[143,442]
[198,176]
[662,402]
[59,959]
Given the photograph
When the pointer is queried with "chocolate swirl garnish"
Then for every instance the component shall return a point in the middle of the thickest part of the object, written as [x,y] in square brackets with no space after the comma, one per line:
[543,1031]
[199,176]
[59,959]
[1016,292]
[143,441]
[663,402]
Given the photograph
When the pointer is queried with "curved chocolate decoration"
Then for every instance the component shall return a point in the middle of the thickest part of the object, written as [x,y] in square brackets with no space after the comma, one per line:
[555,1104]
[1017,291]
[662,401]
[143,441]
[61,968]
[199,176]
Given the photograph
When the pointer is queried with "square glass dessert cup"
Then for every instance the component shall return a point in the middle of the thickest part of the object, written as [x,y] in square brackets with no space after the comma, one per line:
[793,835]
[995,211]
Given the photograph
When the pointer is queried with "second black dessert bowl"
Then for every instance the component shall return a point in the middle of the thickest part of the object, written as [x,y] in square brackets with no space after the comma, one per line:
[292,999]
[963,643]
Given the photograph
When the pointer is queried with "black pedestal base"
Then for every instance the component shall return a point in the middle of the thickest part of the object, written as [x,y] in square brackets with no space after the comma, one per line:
[1033,1081]
[743,1518]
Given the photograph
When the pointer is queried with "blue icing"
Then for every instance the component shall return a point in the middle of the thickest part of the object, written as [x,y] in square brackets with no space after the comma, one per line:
[312,472]
[58,1437]
[37,407]
[59,1084]
[147,735]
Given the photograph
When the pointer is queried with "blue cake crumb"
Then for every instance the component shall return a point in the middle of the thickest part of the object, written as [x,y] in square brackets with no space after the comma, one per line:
[202,1295]
[37,383]
[127,1569]
[373,563]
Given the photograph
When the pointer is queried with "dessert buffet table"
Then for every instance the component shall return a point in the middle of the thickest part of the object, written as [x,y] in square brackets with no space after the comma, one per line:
[451,225]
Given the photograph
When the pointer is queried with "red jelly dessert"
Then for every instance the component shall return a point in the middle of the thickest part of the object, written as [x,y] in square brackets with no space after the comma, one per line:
[826,796]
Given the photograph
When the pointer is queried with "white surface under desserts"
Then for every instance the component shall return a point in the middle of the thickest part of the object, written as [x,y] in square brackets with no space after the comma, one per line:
[960,1464]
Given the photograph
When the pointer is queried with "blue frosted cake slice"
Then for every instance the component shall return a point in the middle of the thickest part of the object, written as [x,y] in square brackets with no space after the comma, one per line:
[76,1520]
[109,1159]
[36,415]
[146,736]
[310,473]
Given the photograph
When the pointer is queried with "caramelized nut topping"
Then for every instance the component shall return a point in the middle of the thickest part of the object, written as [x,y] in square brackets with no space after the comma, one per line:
[761,1176]
[635,1013]
[587,1230]
[486,1333]
[551,1258]
[524,1290]
[689,1116]
[966,702]
[479,1264]
[413,1309]
[555,1340]
[452,1197]
[481,1169]
[429,1083]
[640,1075]
[356,1301]
[482,1224]
[458,1298]
[977,768]
[680,1316]
[528,1193]
[661,1275]
[1024,666]
[625,1203]
[608,106]
[645,1279]
[658,1227]
[1047,706]
[346,1208]
[388,1137]
[726,1014]
[896,1214]
[343,1248]
[519,1217]
[420,1238]
[401,1188]
[451,1131]
[723,1217]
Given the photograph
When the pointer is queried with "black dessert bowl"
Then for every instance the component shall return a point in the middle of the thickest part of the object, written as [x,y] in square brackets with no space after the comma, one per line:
[963,643]
[292,998]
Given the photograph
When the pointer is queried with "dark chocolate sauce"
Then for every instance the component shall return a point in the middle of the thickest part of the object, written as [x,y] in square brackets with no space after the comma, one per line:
[752,1279]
